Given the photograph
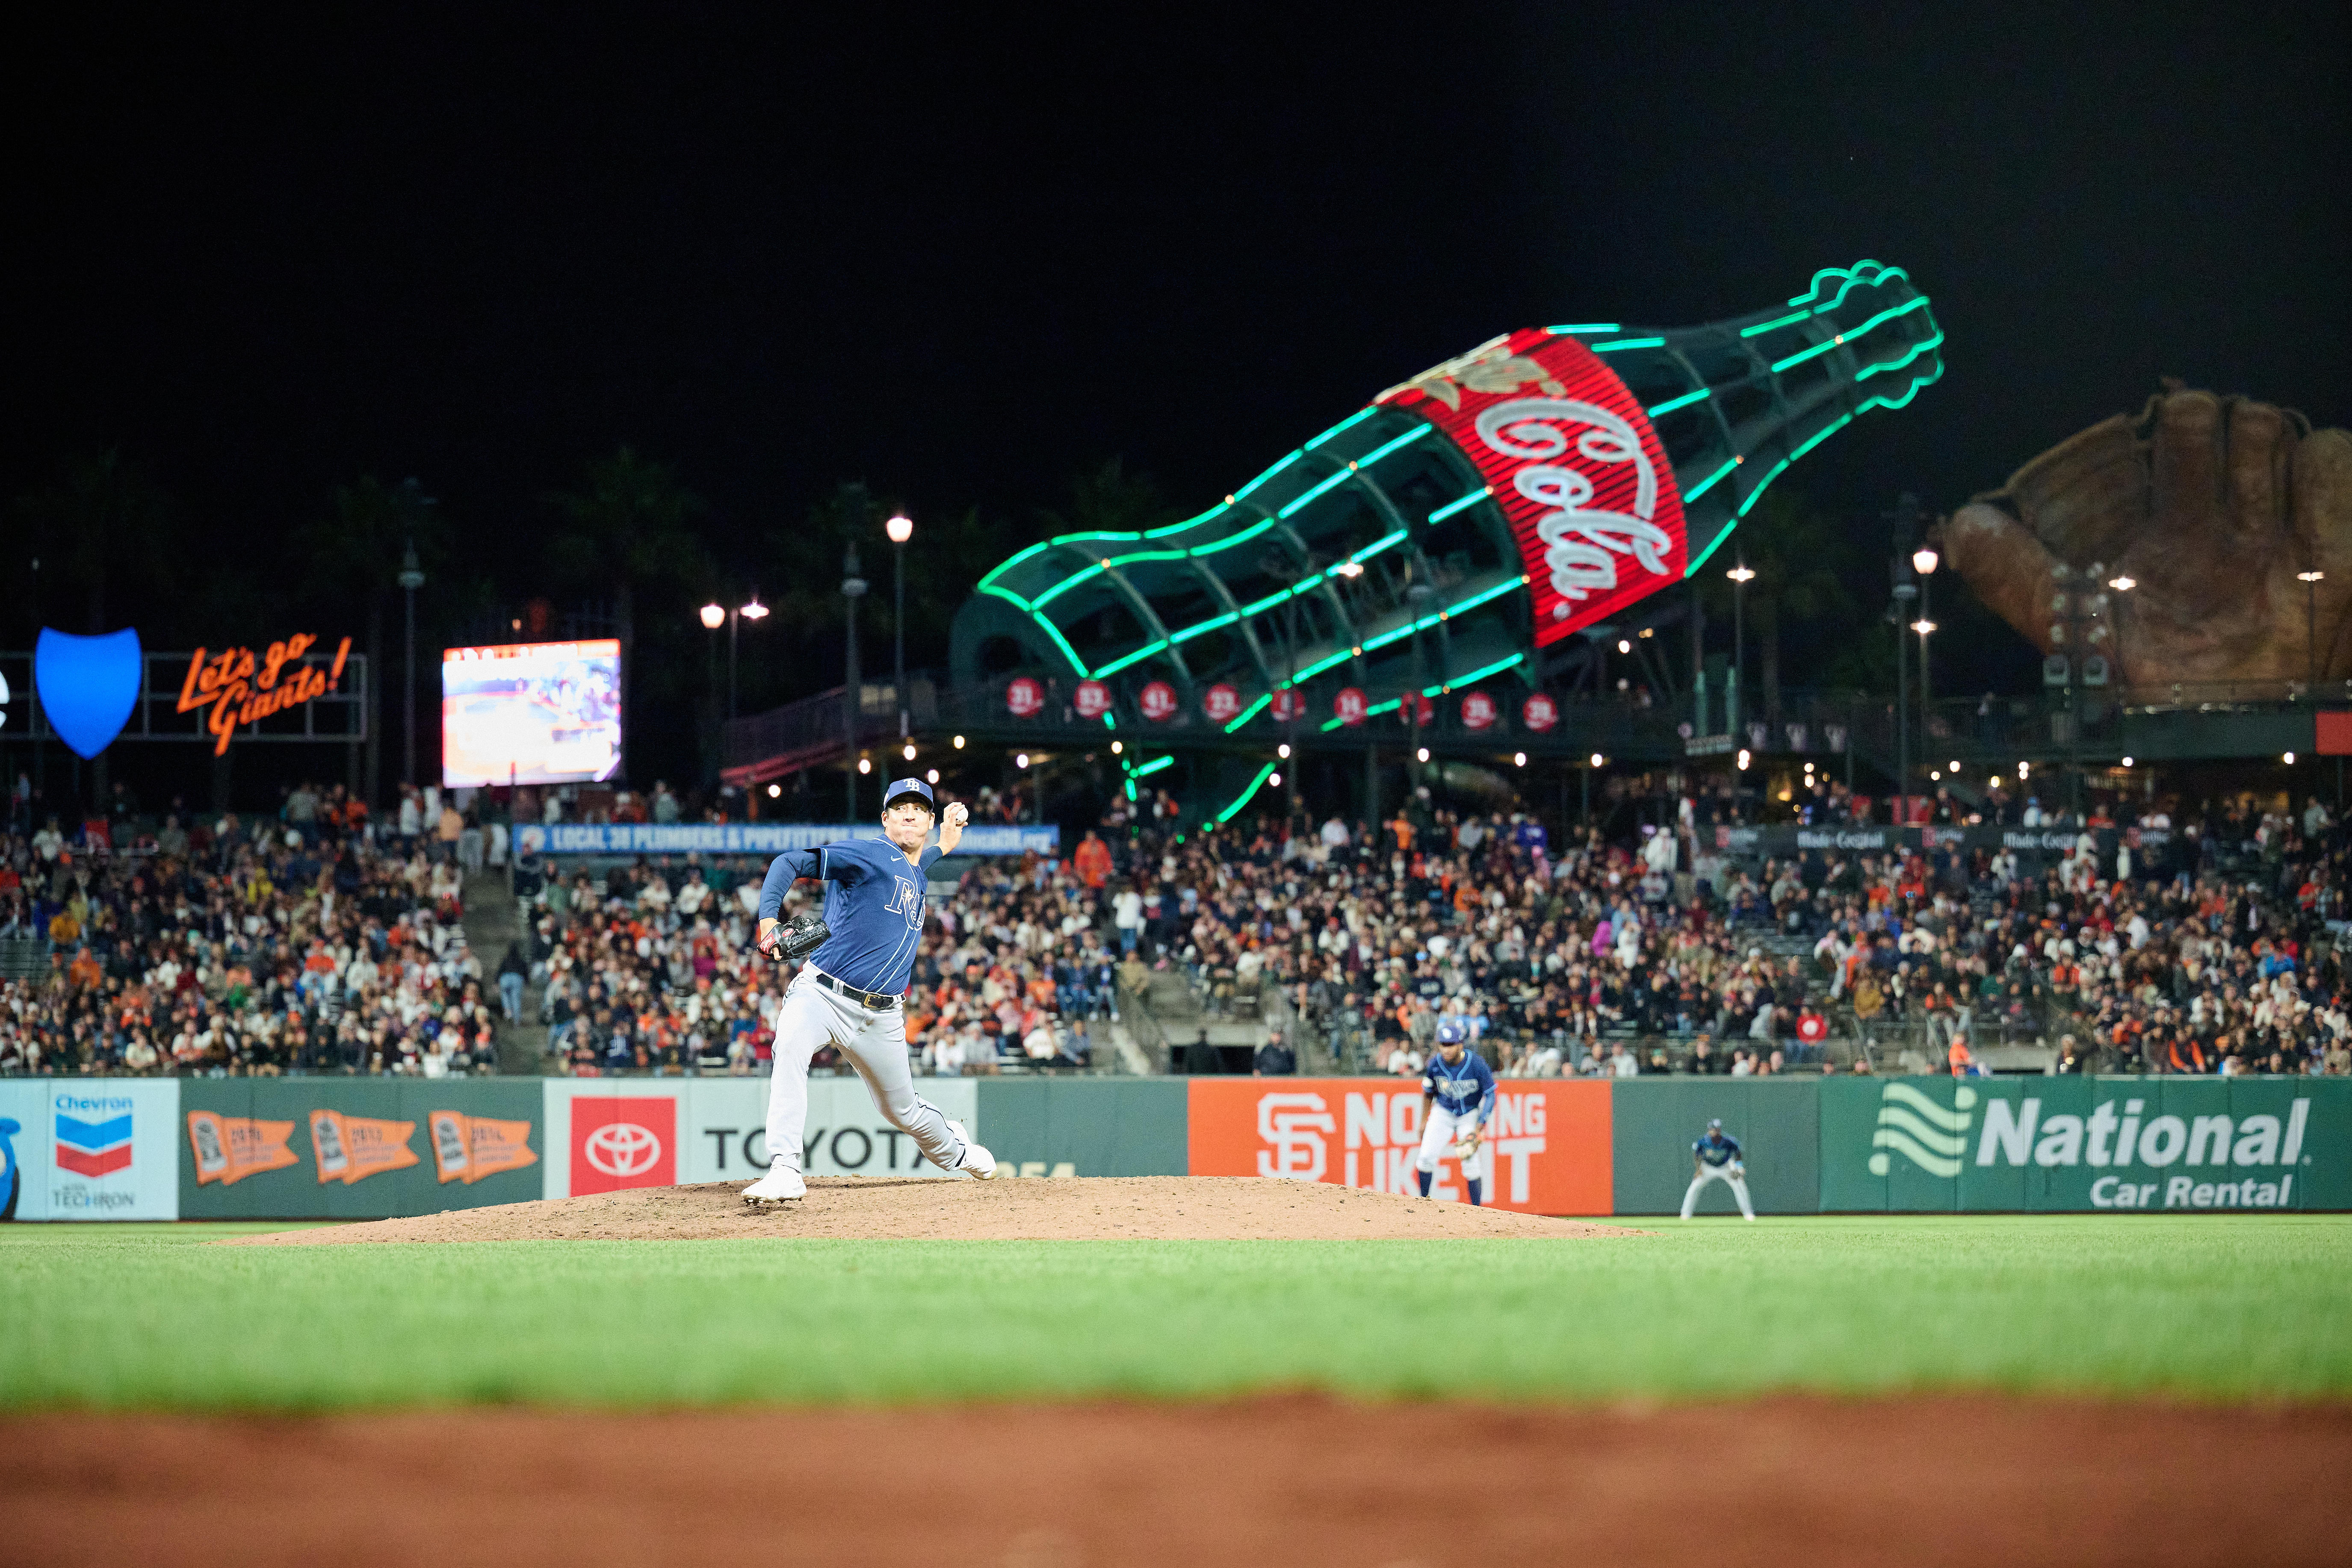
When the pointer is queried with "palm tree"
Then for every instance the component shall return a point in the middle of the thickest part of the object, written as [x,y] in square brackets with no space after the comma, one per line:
[626,529]
[353,557]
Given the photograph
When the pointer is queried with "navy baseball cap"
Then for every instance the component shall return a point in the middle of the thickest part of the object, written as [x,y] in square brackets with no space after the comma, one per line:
[900,788]
[1715,1125]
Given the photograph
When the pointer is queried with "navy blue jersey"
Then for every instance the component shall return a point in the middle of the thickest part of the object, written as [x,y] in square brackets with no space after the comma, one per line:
[1716,1149]
[873,901]
[1461,1086]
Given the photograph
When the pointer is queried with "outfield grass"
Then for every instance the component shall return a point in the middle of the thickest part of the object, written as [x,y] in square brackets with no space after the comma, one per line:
[2222,1307]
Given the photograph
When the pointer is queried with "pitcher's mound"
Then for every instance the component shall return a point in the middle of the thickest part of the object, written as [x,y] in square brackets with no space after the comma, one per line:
[1172,1208]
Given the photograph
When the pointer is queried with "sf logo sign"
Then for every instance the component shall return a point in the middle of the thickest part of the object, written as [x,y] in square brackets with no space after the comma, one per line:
[623,1149]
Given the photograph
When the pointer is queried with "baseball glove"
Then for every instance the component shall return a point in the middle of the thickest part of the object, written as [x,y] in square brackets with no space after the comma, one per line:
[799,937]
[2211,507]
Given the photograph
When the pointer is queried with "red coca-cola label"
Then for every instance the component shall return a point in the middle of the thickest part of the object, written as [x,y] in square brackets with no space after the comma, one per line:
[1477,711]
[1092,699]
[1221,703]
[1287,705]
[1539,713]
[1025,697]
[1568,454]
[1347,707]
[1158,701]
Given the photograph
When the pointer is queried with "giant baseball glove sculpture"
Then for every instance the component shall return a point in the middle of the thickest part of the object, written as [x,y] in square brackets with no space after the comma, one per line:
[2212,506]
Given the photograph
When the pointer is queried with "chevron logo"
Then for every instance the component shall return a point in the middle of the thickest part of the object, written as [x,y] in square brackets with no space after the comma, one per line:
[93,1148]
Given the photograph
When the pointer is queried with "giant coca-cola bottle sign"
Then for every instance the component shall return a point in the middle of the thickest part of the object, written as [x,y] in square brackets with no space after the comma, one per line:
[1569,456]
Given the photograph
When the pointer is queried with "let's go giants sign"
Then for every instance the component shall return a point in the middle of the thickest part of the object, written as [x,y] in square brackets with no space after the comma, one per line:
[1568,454]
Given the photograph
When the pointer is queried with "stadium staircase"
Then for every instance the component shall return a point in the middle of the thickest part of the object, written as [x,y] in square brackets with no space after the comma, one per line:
[494,920]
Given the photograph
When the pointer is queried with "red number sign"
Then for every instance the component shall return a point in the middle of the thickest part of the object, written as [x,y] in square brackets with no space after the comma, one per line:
[1092,699]
[1477,711]
[1287,705]
[1348,705]
[1158,701]
[1568,454]
[1221,703]
[1025,697]
[1428,711]
[1539,713]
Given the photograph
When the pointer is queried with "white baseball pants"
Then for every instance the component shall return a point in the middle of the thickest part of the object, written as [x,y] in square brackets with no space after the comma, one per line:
[875,1041]
[1717,1173]
[1446,1128]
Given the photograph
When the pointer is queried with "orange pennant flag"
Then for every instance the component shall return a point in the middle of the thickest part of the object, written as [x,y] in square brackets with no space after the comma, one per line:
[467,1148]
[230,1148]
[353,1147]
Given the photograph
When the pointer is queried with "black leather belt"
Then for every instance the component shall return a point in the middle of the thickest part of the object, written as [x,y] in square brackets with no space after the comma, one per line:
[863,998]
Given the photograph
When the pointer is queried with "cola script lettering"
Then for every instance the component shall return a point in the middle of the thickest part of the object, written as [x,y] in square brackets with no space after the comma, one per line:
[1582,543]
[239,687]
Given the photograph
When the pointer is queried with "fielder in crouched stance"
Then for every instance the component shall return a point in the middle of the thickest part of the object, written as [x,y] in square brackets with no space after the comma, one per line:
[1457,1096]
[850,990]
[1716,1158]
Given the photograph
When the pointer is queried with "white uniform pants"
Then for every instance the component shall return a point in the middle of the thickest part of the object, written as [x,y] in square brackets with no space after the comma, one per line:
[1717,1173]
[1446,1128]
[875,1041]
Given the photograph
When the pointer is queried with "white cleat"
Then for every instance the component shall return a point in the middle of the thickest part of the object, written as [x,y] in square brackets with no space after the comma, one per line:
[978,1163]
[782,1184]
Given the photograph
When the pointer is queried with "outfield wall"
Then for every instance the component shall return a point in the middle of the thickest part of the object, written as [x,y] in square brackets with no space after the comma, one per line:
[145,1149]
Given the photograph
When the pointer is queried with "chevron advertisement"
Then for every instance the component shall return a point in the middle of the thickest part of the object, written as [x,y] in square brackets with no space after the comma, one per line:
[2095,1144]
[609,1134]
[1547,1145]
[355,1148]
[88,1149]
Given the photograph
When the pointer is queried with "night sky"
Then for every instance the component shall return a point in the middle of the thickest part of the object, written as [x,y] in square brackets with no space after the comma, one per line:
[964,258]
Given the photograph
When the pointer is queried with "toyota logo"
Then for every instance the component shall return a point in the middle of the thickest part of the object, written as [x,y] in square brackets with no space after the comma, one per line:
[623,1149]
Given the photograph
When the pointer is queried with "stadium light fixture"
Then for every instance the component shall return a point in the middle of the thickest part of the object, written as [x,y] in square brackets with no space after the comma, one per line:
[900,528]
[958,743]
[1993,783]
[1955,767]
[1518,759]
[1423,754]
[754,611]
[1350,569]
[933,776]
[1597,759]
[1283,750]
[1117,747]
[1020,760]
[865,764]
[1935,776]
[775,790]
[713,617]
[1273,779]
[2288,758]
[910,751]
[2123,584]
[1742,573]
[1624,644]
[2127,762]
[1924,561]
[1923,627]
[1743,759]
[2310,576]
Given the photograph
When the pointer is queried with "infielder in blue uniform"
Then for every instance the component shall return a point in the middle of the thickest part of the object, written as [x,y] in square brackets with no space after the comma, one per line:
[1457,1097]
[1717,1158]
[851,989]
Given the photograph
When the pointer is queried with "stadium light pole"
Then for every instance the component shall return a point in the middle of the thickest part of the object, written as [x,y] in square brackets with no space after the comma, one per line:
[1924,561]
[900,528]
[1416,604]
[713,616]
[853,588]
[754,611]
[2310,582]
[411,578]
[1741,575]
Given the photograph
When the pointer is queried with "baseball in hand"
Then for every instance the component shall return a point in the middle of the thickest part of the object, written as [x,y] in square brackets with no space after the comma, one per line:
[955,816]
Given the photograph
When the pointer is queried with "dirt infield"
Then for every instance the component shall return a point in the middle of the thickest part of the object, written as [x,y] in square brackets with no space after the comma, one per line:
[1171,1208]
[1298,1481]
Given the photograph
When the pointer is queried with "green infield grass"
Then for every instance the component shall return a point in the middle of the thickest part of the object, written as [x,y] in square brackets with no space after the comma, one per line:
[2206,1307]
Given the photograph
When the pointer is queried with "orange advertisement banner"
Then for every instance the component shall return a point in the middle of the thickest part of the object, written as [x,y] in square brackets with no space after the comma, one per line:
[350,1149]
[230,1148]
[1547,1148]
[467,1148]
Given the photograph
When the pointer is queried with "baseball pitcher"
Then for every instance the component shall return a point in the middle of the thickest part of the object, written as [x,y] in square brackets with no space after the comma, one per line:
[1457,1096]
[1717,1158]
[860,953]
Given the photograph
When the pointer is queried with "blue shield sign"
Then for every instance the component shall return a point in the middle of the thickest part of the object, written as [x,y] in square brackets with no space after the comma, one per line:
[87,685]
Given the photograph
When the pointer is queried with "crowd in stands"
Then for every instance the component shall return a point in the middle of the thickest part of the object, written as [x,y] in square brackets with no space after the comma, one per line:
[307,944]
